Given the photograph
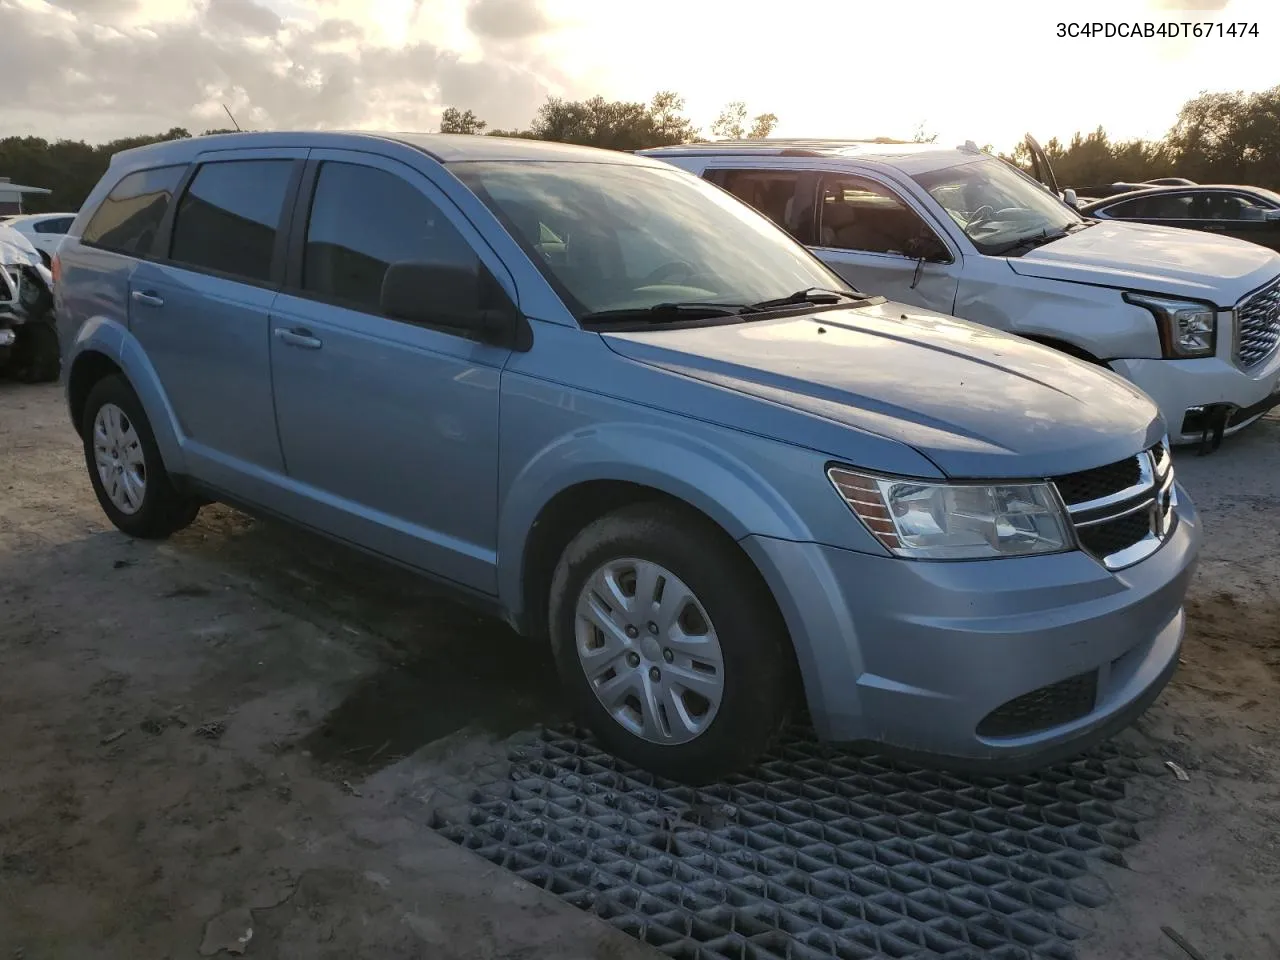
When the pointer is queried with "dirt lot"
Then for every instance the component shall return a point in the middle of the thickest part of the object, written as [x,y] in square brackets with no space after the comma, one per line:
[223,733]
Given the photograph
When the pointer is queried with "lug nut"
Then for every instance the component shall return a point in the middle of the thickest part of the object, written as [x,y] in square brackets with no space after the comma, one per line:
[654,675]
[633,659]
[668,656]
[632,632]
[653,627]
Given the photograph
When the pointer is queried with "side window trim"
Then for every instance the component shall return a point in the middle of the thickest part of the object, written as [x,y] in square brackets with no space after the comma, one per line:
[301,217]
[162,246]
[824,176]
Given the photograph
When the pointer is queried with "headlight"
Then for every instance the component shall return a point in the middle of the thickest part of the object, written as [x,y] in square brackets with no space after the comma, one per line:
[1187,329]
[942,521]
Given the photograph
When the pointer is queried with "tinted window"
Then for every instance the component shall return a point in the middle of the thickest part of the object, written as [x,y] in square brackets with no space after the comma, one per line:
[364,219]
[775,193]
[1176,206]
[228,217]
[130,216]
[56,225]
[861,215]
[1223,206]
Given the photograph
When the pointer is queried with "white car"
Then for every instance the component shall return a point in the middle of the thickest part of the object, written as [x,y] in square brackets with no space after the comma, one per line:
[44,230]
[1191,318]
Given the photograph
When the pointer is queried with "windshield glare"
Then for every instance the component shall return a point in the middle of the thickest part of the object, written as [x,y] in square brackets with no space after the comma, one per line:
[621,236]
[996,205]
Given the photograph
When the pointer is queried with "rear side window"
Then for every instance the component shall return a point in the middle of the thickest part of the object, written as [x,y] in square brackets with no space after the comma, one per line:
[362,220]
[228,218]
[129,218]
[781,195]
[56,225]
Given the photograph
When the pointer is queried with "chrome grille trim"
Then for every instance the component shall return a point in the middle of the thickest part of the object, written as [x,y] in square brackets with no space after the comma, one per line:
[1155,493]
[1257,319]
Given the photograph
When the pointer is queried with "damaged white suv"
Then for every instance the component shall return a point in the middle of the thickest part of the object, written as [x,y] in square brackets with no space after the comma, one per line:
[1191,318]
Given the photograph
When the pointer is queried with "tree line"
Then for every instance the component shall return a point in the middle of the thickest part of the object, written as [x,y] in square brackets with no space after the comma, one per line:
[1217,138]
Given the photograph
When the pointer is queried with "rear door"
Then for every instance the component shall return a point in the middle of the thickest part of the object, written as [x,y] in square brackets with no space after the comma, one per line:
[201,311]
[389,428]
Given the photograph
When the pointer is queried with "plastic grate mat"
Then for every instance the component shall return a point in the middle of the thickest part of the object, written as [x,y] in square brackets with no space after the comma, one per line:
[817,854]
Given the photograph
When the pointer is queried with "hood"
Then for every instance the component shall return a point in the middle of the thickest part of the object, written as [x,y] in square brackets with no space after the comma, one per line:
[16,249]
[1163,260]
[975,401]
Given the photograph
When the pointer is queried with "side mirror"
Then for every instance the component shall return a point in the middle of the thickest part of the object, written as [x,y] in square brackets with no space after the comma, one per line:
[1272,215]
[1069,198]
[457,296]
[926,246]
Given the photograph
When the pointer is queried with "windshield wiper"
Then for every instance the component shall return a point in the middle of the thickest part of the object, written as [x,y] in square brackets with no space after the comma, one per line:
[668,312]
[808,295]
[1030,243]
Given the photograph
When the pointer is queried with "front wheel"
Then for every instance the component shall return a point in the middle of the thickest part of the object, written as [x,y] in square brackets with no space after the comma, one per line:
[669,643]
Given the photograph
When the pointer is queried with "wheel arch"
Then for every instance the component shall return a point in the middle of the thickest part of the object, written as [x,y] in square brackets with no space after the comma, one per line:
[103,347]
[584,476]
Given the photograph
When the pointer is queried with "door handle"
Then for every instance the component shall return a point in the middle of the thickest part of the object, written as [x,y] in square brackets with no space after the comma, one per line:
[298,338]
[147,298]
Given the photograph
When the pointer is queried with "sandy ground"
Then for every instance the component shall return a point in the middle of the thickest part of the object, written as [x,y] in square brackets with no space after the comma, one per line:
[213,735]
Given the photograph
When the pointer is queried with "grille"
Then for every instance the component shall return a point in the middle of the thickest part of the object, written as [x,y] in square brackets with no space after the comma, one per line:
[1099,482]
[1258,325]
[1112,536]
[1109,531]
[1041,709]
[816,854]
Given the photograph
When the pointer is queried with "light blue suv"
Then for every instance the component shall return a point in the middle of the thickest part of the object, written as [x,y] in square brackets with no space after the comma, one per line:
[628,414]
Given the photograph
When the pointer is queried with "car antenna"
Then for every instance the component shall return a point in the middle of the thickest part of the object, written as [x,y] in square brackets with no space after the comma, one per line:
[233,119]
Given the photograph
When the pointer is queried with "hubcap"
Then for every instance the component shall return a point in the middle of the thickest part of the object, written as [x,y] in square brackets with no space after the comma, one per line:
[649,651]
[117,453]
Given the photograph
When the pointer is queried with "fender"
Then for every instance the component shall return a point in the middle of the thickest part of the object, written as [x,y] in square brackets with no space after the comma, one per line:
[680,465]
[113,340]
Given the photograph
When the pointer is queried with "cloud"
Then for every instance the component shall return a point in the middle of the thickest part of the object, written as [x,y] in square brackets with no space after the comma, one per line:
[1192,4]
[507,19]
[242,13]
[82,77]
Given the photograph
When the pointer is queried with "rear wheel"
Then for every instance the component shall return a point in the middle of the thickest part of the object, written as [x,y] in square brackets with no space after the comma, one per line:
[669,643]
[128,475]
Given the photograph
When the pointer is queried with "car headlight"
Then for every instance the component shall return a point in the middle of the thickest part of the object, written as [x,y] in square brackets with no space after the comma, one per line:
[945,521]
[1187,329]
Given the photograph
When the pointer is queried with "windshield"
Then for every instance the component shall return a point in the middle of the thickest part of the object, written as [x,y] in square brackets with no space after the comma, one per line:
[620,237]
[996,206]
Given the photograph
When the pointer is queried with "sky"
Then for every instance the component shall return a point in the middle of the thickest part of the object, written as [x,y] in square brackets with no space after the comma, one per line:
[982,70]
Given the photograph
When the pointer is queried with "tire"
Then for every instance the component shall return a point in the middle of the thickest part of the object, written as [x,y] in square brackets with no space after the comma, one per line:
[161,509]
[730,605]
[36,355]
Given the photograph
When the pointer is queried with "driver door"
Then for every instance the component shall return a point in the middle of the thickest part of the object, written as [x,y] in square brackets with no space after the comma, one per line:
[877,241]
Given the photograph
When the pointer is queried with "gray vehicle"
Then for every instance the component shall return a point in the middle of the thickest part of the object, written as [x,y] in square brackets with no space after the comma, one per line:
[628,414]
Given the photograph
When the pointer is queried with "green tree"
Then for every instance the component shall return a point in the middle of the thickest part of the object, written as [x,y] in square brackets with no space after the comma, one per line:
[614,124]
[732,123]
[455,121]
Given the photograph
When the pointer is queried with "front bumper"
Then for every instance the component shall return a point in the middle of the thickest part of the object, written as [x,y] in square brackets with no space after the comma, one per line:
[914,656]
[1183,388]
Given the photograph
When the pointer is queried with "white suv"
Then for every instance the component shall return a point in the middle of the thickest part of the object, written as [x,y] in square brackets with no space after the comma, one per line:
[1191,318]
